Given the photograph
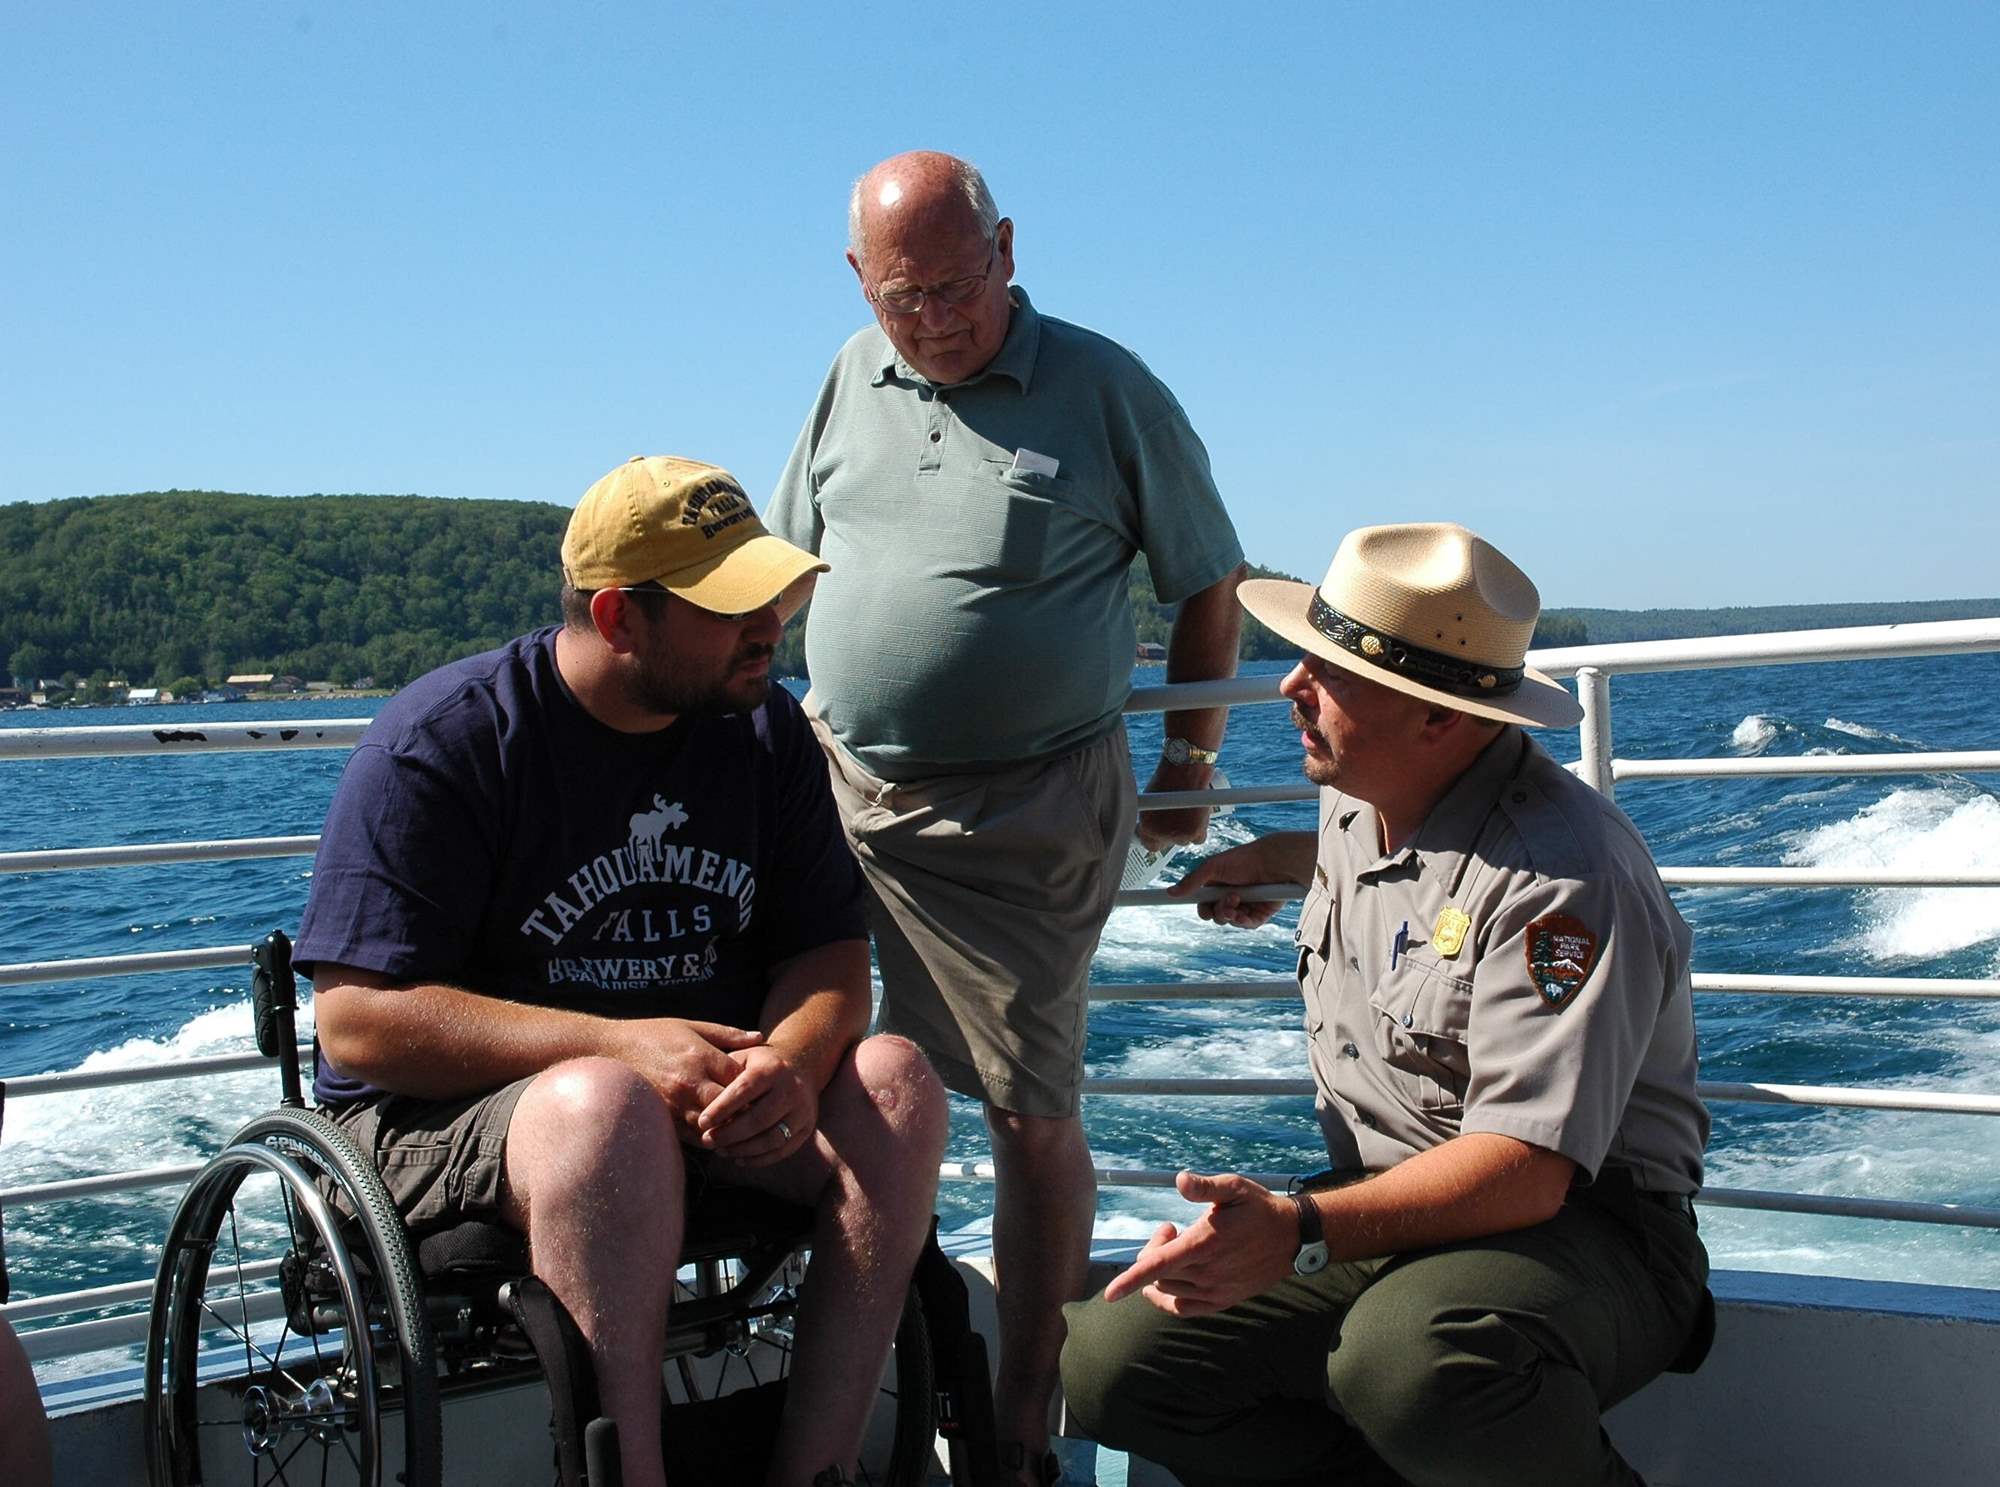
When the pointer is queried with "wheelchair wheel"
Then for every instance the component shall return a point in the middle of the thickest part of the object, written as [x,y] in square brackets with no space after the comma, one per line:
[288,1341]
[723,1405]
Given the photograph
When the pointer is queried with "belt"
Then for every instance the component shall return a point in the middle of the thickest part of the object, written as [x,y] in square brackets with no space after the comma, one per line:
[1616,1184]
[1681,1203]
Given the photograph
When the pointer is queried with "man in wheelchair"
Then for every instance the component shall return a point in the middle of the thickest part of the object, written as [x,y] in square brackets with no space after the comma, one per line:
[585,935]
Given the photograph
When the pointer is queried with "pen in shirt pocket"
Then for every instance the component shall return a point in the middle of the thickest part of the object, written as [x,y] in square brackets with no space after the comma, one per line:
[1400,944]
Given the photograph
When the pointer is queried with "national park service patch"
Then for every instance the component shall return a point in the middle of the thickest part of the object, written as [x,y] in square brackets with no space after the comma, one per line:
[1561,951]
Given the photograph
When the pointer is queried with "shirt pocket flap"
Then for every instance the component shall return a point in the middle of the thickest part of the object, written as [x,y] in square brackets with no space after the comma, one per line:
[1315,914]
[1421,998]
[1422,1015]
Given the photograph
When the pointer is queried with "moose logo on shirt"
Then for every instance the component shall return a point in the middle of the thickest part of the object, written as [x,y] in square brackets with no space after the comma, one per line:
[649,827]
[647,857]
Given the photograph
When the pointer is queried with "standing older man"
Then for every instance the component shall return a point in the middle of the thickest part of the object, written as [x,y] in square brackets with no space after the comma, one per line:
[981,476]
[1502,1036]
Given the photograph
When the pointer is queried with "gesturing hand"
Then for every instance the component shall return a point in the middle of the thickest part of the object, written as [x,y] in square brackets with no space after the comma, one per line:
[766,1113]
[1242,1245]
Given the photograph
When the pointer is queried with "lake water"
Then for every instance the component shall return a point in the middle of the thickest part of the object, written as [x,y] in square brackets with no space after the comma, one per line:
[1892,822]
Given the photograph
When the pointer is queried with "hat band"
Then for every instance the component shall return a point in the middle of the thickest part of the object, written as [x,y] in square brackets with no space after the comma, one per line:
[1433,668]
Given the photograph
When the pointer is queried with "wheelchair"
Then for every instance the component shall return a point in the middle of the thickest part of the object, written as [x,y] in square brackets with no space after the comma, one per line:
[332,1361]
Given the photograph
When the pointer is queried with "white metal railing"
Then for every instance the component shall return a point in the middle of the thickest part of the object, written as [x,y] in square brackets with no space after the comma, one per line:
[1591,665]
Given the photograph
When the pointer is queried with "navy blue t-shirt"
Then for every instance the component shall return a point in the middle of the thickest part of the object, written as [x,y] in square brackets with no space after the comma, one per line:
[488,833]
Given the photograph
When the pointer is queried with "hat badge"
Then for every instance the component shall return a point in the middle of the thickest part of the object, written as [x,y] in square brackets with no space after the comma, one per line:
[1371,645]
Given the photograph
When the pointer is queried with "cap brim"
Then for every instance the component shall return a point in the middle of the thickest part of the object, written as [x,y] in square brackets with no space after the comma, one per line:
[748,576]
[1281,605]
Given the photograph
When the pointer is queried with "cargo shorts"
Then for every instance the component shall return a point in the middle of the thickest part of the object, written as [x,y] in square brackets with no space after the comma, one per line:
[988,893]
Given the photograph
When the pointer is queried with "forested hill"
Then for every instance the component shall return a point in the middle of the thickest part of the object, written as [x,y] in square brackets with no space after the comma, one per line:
[181,589]
[175,587]
[1607,625]
[184,588]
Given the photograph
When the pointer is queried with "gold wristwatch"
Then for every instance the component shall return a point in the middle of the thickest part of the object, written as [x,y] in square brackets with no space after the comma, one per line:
[1180,751]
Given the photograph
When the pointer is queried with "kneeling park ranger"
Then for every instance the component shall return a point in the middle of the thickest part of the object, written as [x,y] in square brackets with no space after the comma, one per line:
[1501,1032]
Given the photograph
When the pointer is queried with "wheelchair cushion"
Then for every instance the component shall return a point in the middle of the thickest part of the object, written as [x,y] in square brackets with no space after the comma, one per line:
[473,1247]
[726,1220]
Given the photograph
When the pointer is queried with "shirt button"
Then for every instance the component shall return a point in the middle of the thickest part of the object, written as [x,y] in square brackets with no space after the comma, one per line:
[1366,1119]
[1353,964]
[1406,1019]
[1350,1050]
[935,436]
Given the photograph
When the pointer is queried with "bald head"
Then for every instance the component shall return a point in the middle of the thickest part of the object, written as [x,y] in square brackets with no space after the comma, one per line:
[927,190]
[934,259]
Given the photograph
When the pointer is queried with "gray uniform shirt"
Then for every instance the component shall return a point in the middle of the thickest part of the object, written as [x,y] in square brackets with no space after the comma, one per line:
[1517,968]
[980,536]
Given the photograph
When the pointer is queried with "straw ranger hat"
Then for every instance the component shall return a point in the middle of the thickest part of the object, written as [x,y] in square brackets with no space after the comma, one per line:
[1426,608]
[685,526]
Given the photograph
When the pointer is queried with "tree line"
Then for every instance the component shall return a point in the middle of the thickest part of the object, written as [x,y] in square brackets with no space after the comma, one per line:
[181,589]
[189,587]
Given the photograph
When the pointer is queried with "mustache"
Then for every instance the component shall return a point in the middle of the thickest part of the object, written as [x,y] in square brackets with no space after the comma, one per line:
[756,651]
[1299,719]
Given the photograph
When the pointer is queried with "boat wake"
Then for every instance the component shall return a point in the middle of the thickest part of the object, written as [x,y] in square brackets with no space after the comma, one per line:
[1912,829]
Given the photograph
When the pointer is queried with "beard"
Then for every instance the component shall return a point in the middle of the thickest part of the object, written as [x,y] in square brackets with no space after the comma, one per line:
[1318,771]
[661,686]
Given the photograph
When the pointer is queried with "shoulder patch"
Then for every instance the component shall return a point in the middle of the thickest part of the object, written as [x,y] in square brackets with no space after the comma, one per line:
[1561,950]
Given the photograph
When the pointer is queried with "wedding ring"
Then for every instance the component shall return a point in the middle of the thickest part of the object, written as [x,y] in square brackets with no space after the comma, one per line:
[784,1131]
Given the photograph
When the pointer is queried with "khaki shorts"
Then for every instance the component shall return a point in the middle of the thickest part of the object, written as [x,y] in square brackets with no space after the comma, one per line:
[444,1161]
[989,892]
[441,1160]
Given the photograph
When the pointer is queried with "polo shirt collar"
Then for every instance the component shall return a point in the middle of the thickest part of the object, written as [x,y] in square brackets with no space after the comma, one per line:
[1015,358]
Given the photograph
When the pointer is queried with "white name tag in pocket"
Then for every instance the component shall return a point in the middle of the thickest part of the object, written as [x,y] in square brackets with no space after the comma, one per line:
[1027,462]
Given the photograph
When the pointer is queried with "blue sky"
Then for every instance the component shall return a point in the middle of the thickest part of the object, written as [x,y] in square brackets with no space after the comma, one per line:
[1681,304]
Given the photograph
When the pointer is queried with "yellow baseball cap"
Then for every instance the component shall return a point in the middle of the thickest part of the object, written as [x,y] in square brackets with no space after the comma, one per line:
[685,526]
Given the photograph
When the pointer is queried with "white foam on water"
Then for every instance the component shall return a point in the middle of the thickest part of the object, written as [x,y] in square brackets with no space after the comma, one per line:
[1899,1155]
[1915,829]
[1815,793]
[1862,730]
[1754,734]
[1175,939]
[99,1130]
[1236,1052]
[1729,825]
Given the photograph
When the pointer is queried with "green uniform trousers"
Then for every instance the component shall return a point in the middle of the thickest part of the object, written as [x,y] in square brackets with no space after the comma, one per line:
[1487,1362]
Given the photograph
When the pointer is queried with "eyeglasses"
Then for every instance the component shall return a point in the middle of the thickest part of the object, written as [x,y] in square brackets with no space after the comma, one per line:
[957,292]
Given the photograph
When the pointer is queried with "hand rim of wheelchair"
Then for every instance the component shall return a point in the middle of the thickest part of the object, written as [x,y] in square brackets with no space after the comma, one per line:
[286,1394]
[298,1407]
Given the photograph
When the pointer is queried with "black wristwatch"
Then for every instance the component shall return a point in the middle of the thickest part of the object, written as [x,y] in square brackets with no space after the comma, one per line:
[1311,1258]
[1181,751]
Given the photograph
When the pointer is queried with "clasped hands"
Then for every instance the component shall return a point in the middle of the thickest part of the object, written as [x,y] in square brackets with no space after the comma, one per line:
[731,1092]
[1243,1244]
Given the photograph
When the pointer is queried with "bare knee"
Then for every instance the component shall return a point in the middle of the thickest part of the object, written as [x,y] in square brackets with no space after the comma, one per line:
[905,1093]
[1035,1136]
[591,1116]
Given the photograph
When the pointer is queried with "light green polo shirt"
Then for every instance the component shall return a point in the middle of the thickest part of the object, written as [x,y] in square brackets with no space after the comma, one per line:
[976,613]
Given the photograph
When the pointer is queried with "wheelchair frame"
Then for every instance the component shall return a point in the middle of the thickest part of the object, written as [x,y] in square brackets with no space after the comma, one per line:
[482,1321]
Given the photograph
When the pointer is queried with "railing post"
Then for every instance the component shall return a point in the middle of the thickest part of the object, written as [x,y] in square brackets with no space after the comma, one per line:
[1593,690]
